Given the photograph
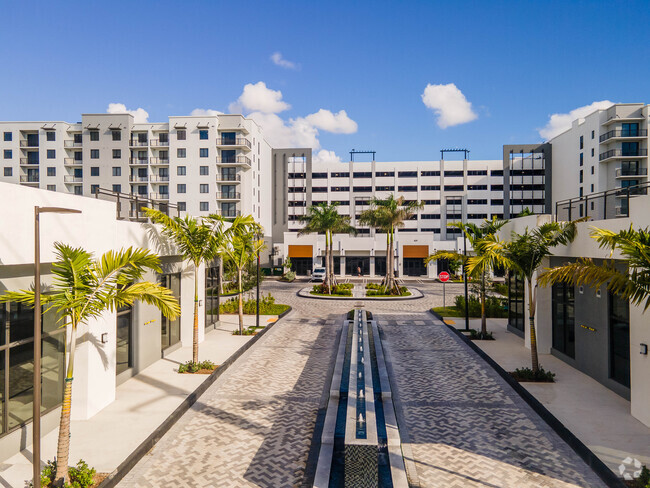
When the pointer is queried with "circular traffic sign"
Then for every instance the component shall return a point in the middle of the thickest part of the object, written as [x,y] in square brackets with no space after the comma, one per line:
[443,276]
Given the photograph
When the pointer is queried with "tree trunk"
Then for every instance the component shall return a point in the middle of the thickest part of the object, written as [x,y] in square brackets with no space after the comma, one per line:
[195,330]
[327,281]
[533,334]
[63,445]
[333,278]
[391,284]
[483,313]
[241,304]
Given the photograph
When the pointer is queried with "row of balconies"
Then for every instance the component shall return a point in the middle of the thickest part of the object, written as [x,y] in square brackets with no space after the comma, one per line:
[621,153]
[624,134]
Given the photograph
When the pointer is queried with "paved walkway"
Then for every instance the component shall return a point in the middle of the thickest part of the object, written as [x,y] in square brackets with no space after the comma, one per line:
[254,425]
[462,424]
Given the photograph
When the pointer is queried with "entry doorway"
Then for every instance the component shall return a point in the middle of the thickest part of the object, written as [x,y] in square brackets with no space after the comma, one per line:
[302,266]
[380,265]
[353,263]
[170,330]
[414,267]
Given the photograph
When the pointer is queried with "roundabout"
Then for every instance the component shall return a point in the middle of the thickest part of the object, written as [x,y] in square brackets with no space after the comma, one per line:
[359,293]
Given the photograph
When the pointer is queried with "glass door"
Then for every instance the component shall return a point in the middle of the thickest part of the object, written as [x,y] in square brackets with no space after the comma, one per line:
[124,335]
[170,330]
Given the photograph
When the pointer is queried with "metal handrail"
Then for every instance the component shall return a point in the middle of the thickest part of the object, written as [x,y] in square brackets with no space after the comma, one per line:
[228,195]
[27,162]
[69,143]
[619,153]
[138,160]
[158,160]
[159,179]
[73,179]
[135,201]
[138,179]
[72,161]
[631,172]
[623,193]
[29,179]
[229,214]
[138,143]
[234,160]
[160,196]
[25,143]
[624,133]
[222,177]
[238,141]
[158,142]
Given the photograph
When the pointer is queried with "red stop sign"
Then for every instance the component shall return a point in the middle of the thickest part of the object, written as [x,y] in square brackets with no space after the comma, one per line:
[443,276]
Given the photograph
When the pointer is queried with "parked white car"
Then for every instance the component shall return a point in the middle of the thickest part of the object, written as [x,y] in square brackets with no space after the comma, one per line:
[318,274]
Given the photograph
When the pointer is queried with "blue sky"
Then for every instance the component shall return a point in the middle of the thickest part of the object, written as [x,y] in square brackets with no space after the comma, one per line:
[516,63]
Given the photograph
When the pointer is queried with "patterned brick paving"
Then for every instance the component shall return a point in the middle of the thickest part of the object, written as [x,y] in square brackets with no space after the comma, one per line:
[465,426]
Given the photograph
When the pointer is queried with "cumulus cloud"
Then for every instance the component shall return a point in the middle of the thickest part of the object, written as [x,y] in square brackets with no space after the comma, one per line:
[449,104]
[558,123]
[258,98]
[205,111]
[140,115]
[278,60]
[287,133]
[337,123]
[325,156]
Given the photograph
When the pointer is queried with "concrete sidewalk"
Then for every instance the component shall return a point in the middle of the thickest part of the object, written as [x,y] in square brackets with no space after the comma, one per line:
[142,403]
[599,417]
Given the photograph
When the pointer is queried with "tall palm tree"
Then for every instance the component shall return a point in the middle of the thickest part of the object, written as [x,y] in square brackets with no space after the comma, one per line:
[84,288]
[199,240]
[325,219]
[387,215]
[632,285]
[474,234]
[522,255]
[241,250]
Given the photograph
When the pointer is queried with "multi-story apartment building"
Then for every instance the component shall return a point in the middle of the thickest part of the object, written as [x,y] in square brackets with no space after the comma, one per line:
[202,164]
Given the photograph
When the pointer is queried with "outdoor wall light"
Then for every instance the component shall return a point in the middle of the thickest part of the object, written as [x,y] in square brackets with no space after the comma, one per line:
[644,349]
[581,289]
[598,294]
[104,337]
[200,303]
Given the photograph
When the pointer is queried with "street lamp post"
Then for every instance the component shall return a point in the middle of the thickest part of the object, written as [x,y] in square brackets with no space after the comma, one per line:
[465,279]
[36,430]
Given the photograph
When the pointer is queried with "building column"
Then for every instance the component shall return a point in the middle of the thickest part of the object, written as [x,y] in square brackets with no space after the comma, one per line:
[372,266]
[342,267]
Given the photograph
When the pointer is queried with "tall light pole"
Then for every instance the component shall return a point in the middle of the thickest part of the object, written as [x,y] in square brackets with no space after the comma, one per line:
[36,431]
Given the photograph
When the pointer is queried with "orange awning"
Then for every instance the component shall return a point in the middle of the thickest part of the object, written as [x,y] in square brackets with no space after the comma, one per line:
[416,251]
[300,251]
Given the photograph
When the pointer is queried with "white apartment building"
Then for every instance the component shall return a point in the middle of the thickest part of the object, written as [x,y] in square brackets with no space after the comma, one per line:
[200,164]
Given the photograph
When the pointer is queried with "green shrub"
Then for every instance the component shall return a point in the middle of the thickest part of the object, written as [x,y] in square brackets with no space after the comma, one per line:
[250,330]
[493,306]
[479,336]
[644,477]
[190,367]
[267,306]
[342,289]
[289,276]
[382,292]
[500,288]
[81,476]
[373,286]
[527,374]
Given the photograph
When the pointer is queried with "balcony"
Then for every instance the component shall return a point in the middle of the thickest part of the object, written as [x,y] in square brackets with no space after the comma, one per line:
[159,179]
[631,172]
[137,215]
[619,153]
[29,178]
[229,214]
[159,161]
[228,195]
[138,179]
[137,143]
[72,162]
[28,162]
[235,161]
[238,142]
[73,179]
[27,143]
[70,144]
[227,177]
[159,143]
[624,134]
[159,196]
[138,161]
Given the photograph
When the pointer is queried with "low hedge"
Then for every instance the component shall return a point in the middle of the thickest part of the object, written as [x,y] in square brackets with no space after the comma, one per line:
[267,306]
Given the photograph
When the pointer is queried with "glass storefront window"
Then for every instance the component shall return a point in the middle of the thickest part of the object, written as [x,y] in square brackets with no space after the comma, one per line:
[170,330]
[124,334]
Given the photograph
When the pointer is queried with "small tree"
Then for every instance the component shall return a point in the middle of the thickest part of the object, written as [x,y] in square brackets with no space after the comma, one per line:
[84,288]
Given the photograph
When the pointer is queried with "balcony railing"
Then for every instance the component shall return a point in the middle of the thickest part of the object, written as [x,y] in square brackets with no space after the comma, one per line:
[71,144]
[29,178]
[618,153]
[228,177]
[27,143]
[136,143]
[600,206]
[138,179]
[238,141]
[159,143]
[623,133]
[228,195]
[158,160]
[28,162]
[228,213]
[73,179]
[623,172]
[138,161]
[72,162]
[235,160]
[159,179]
[159,196]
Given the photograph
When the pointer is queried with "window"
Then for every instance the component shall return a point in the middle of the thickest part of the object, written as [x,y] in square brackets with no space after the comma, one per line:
[516,310]
[429,173]
[619,340]
[340,188]
[51,171]
[77,155]
[319,189]
[385,188]
[480,201]
[385,173]
[407,174]
[117,135]
[94,154]
[7,136]
[496,187]
[203,188]
[340,175]
[582,142]
[581,176]
[8,171]
[117,171]
[180,188]
[94,171]
[8,154]
[593,134]
[453,187]
[181,170]
[407,188]
[94,188]
[77,138]
[182,206]
[430,216]
[203,152]
[117,188]
[431,202]
[475,172]
[477,216]
[50,135]
[362,174]
[181,152]
[94,135]
[163,137]
[496,201]
[581,191]
[592,190]
[203,134]
[117,153]
[592,170]
[496,172]
[51,187]
[362,188]
[204,206]
[582,159]
[430,187]
[477,187]
[592,152]
[296,189]
[78,190]
[294,176]
[204,170]
[181,135]
[51,154]
[318,175]
[453,173]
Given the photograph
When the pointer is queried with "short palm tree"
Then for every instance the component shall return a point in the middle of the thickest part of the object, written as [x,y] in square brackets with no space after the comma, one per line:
[474,234]
[387,215]
[84,288]
[325,219]
[199,240]
[241,250]
[523,254]
[632,285]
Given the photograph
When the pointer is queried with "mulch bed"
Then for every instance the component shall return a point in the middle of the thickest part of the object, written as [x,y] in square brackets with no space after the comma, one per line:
[526,379]
[202,371]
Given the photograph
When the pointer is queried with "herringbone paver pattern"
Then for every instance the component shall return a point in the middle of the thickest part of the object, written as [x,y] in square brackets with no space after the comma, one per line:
[254,425]
[464,425]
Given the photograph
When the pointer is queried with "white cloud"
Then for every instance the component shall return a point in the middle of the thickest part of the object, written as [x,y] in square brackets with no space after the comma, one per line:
[449,104]
[325,156]
[205,111]
[558,123]
[278,60]
[259,98]
[337,123]
[140,115]
[287,133]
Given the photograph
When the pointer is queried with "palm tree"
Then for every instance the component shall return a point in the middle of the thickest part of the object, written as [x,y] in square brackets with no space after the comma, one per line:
[199,240]
[325,219]
[84,288]
[241,250]
[522,255]
[387,215]
[474,234]
[632,285]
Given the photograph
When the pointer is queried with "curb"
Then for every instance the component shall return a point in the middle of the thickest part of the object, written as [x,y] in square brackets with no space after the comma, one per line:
[388,299]
[132,459]
[593,461]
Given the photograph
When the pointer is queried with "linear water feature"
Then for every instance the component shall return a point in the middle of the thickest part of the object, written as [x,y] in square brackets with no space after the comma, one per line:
[360,444]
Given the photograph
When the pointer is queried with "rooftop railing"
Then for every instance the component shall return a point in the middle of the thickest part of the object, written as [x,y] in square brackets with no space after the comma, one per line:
[131,206]
[604,205]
